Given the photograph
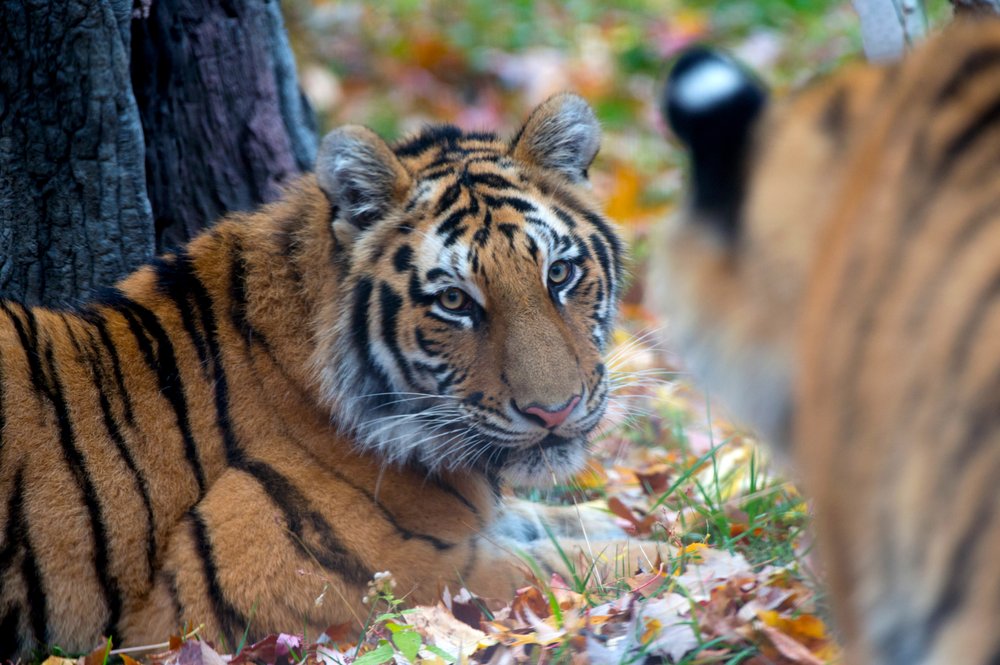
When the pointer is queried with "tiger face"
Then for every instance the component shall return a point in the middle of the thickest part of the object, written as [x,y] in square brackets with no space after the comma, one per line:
[481,283]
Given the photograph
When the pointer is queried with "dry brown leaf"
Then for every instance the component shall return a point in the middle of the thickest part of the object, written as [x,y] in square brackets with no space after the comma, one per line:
[530,599]
[99,655]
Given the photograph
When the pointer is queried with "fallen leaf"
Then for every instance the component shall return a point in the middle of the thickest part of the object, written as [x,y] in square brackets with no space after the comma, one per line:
[789,648]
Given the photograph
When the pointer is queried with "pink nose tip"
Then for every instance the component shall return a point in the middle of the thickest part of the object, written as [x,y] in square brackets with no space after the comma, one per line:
[552,418]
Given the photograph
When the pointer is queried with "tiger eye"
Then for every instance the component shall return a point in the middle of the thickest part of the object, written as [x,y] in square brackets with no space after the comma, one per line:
[559,272]
[454,299]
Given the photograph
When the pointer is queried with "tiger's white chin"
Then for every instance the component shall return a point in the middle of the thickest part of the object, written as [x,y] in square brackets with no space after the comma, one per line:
[545,465]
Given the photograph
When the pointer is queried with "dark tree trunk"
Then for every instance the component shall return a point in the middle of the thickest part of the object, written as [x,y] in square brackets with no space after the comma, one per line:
[976,8]
[73,208]
[224,120]
[126,126]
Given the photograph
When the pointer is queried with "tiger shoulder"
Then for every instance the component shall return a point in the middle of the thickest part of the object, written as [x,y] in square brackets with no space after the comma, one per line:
[836,278]
[337,384]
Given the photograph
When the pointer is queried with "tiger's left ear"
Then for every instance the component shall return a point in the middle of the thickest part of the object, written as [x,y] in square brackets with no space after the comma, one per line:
[562,135]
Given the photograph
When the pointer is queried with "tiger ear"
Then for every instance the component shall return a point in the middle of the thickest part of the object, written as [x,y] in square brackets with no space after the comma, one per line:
[562,134]
[362,178]
[712,104]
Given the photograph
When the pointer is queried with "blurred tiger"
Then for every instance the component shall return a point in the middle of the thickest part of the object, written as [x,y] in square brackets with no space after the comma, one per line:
[836,278]
[337,384]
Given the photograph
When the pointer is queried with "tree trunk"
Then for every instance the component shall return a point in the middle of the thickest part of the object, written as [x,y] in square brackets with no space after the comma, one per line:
[126,126]
[974,8]
[73,208]
[889,27]
[224,121]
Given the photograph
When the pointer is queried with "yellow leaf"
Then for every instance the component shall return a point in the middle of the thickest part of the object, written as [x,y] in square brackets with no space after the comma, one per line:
[652,629]
[623,200]
[593,477]
[56,660]
[807,626]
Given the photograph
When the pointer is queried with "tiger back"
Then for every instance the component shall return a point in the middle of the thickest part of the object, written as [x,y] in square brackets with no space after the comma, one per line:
[243,433]
[835,278]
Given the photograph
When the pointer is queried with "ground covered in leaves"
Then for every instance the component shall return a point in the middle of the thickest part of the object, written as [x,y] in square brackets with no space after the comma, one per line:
[737,585]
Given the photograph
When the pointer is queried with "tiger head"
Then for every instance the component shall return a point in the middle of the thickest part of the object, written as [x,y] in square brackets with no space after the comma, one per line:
[729,273]
[479,286]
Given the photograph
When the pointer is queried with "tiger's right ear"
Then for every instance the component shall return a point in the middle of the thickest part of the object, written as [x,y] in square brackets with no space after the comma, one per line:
[362,178]
[712,104]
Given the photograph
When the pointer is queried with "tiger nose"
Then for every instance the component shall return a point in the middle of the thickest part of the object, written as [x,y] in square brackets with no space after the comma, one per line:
[548,416]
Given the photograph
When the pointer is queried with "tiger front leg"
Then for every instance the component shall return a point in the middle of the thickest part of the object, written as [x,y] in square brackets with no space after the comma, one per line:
[240,563]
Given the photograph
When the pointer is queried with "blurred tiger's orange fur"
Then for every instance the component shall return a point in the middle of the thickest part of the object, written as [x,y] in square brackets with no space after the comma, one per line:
[849,304]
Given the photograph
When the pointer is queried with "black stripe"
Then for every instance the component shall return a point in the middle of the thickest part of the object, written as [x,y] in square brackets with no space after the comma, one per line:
[967,138]
[493,180]
[231,621]
[169,281]
[17,535]
[973,64]
[184,287]
[360,337]
[169,580]
[9,627]
[833,117]
[480,238]
[452,490]
[448,198]
[115,433]
[977,315]
[77,464]
[38,380]
[404,533]
[601,252]
[509,230]
[100,324]
[564,216]
[448,226]
[163,363]
[445,135]
[612,239]
[390,303]
[239,305]
[313,535]
[983,422]
[426,345]
[956,587]
[518,204]
[415,289]
[402,260]
[471,559]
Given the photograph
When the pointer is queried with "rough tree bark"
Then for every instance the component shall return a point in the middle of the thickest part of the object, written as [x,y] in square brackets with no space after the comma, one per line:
[128,125]
[224,120]
[73,208]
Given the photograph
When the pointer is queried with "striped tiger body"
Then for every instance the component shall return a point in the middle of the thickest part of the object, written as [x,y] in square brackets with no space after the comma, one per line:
[837,280]
[334,385]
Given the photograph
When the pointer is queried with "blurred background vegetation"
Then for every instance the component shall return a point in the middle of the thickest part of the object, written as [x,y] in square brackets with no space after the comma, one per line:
[483,64]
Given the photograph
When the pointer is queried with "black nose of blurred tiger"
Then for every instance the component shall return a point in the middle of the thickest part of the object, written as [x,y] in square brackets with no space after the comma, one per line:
[711,103]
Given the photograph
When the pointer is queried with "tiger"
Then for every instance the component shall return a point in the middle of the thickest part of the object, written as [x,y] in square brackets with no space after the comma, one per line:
[240,435]
[834,276]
